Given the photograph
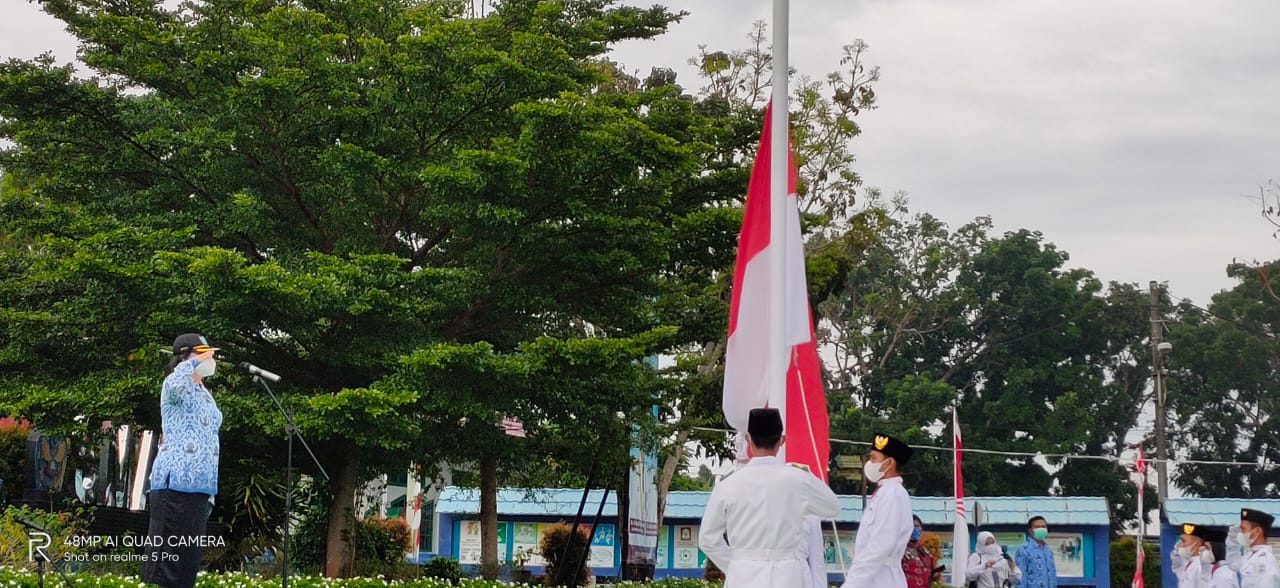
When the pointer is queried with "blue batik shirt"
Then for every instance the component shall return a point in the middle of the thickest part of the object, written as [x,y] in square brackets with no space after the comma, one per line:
[1036,561]
[189,423]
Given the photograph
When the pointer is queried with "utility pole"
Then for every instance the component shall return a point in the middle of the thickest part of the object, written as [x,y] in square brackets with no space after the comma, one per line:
[1158,347]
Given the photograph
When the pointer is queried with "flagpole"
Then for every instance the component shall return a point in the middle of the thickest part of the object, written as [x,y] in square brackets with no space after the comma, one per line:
[779,174]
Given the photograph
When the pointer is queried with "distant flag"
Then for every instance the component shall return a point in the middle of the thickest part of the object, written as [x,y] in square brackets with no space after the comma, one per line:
[746,381]
[512,426]
[960,530]
[1142,521]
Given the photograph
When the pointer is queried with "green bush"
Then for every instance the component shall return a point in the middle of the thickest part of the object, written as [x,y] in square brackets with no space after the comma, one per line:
[444,568]
[563,541]
[11,577]
[64,530]
[13,458]
[1124,558]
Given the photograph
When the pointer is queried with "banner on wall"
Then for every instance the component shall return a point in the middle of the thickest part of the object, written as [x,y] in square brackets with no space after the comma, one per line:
[686,555]
[469,542]
[833,558]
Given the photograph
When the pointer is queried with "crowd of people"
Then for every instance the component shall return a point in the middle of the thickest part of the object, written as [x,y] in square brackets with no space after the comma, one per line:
[761,528]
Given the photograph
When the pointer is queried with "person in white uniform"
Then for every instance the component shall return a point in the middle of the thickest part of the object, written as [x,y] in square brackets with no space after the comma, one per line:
[1248,552]
[752,523]
[811,552]
[989,565]
[1220,574]
[1193,559]
[886,524]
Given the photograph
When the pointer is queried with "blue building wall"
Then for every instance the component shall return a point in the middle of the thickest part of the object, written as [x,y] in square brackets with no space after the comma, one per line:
[1088,518]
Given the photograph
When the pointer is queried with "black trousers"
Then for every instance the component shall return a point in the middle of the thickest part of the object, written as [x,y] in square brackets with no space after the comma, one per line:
[173,553]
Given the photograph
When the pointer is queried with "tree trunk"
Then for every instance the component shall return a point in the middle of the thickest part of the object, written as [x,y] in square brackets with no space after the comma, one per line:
[669,472]
[339,554]
[489,517]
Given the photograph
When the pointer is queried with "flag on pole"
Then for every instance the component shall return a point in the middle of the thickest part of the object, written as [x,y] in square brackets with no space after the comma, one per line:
[960,532]
[746,381]
[1142,521]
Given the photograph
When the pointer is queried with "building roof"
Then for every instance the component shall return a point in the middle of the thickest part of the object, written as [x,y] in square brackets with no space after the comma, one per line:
[934,511]
[1215,511]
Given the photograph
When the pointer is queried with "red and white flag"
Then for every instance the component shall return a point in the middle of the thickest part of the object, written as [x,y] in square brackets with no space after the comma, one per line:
[960,530]
[1142,521]
[746,381]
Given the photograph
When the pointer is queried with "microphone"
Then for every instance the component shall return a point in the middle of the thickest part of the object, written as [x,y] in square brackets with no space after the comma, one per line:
[254,370]
[30,525]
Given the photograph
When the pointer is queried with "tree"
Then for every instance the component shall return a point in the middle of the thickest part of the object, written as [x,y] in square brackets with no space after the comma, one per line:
[1038,358]
[1223,377]
[365,195]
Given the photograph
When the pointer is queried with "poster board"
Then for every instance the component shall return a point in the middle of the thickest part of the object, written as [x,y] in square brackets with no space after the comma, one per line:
[664,548]
[830,557]
[526,538]
[469,542]
[687,555]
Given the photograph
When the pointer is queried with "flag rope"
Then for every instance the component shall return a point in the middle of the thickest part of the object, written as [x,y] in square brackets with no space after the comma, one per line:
[1066,456]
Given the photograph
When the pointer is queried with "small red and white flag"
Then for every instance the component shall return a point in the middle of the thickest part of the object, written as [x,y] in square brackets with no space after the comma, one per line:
[960,529]
[746,379]
[1142,521]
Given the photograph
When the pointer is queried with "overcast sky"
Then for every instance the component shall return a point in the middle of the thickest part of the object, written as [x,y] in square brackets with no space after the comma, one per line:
[1133,134]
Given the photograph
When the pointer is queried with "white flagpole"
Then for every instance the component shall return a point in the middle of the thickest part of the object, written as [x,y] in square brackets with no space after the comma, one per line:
[779,173]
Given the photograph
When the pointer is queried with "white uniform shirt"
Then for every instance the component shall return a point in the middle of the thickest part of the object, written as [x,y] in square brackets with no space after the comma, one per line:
[1223,577]
[882,538]
[1192,572]
[993,576]
[1257,567]
[761,508]
[811,552]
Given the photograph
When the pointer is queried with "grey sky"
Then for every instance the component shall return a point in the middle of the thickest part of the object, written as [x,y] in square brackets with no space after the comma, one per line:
[1133,134]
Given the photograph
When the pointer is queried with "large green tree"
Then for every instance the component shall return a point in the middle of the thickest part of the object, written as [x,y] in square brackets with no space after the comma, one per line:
[1224,388]
[1038,358]
[424,218]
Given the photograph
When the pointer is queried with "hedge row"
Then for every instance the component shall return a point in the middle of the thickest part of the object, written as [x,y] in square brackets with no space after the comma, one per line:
[11,577]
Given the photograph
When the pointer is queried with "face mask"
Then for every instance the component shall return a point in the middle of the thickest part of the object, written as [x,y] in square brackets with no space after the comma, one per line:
[206,368]
[1184,551]
[991,549]
[1206,556]
[1244,538]
[915,533]
[1040,533]
[871,470]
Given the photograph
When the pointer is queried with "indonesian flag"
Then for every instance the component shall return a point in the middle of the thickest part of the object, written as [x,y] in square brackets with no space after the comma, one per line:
[960,531]
[1142,521]
[746,381]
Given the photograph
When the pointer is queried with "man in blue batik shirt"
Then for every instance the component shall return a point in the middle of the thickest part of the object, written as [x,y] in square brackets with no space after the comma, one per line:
[1035,558]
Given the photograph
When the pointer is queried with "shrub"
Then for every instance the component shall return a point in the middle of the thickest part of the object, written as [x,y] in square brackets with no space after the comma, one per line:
[563,541]
[64,529]
[380,548]
[1124,558]
[443,568]
[13,458]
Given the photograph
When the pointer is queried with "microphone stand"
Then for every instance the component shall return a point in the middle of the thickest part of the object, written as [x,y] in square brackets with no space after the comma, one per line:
[41,558]
[291,431]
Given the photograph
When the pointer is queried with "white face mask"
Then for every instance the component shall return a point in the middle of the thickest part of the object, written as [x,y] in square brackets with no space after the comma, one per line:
[1184,551]
[206,368]
[871,470]
[991,549]
[1206,556]
[1244,538]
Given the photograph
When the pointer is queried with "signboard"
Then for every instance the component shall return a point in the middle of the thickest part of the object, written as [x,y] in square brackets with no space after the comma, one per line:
[664,547]
[469,542]
[833,558]
[686,554]
[526,540]
[642,503]
[1068,553]
[603,546]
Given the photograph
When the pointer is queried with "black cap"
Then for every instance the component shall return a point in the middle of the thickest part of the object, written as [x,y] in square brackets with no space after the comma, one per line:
[1257,517]
[188,342]
[764,422]
[1207,533]
[892,448]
